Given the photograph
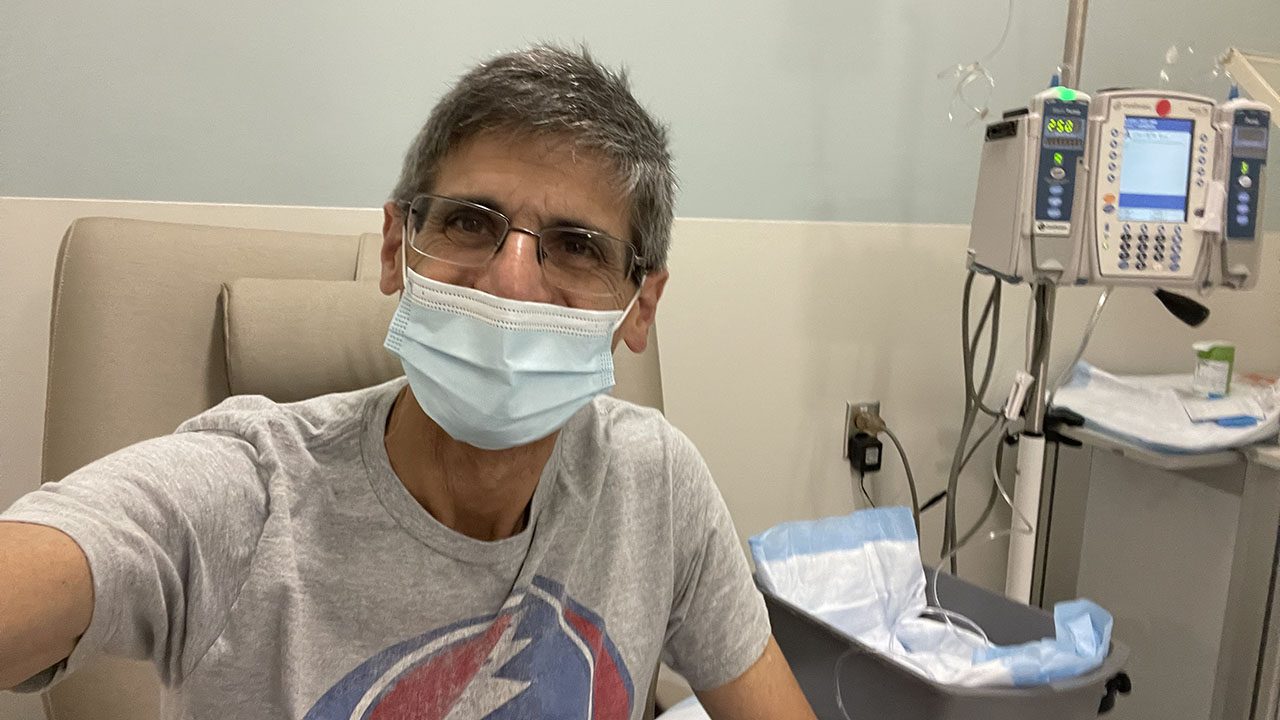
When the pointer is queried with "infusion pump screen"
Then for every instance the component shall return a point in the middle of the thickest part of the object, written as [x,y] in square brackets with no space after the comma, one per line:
[1157,165]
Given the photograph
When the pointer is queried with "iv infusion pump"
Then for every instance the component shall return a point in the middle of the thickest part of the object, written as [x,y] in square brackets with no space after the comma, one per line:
[1125,187]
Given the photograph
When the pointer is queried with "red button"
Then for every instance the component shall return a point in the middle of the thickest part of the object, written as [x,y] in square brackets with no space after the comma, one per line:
[1163,107]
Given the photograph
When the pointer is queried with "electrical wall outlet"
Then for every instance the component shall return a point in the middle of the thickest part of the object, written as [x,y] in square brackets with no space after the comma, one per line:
[851,412]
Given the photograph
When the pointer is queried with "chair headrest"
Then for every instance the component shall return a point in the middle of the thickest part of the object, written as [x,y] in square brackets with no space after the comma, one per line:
[295,339]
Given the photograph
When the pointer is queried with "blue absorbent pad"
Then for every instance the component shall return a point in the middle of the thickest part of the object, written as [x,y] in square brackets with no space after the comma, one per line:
[861,573]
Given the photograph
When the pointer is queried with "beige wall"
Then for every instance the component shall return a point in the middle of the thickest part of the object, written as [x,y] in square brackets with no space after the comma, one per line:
[767,328]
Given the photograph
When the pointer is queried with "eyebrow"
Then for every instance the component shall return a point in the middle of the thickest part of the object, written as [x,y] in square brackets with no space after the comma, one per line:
[555,221]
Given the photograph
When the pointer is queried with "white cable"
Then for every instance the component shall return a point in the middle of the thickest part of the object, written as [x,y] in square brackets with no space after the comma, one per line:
[1084,343]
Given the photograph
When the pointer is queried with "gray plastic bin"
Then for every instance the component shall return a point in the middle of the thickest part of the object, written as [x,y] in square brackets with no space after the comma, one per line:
[874,687]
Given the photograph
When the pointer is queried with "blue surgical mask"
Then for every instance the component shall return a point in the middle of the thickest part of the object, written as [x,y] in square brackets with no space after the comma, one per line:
[498,373]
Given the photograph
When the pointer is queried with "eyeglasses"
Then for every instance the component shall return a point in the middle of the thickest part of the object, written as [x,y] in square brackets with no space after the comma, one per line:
[576,260]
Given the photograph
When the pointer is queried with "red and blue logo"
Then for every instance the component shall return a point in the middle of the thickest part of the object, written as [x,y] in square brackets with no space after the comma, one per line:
[542,656]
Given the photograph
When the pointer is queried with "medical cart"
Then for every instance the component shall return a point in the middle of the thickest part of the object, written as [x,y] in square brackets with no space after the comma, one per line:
[1182,549]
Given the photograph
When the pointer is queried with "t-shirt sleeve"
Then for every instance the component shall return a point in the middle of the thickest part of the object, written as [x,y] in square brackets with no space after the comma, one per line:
[169,527]
[719,626]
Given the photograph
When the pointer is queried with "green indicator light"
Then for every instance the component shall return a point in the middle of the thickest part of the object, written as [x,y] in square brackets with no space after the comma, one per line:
[1066,93]
[1057,158]
[1244,168]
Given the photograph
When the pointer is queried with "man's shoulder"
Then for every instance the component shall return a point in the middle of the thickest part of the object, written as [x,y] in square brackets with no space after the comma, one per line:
[259,419]
[621,422]
[631,434]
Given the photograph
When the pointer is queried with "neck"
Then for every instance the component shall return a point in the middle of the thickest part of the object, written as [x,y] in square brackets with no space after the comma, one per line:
[483,494]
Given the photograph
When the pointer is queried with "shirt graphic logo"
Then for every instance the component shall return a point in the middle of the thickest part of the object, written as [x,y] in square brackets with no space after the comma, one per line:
[542,656]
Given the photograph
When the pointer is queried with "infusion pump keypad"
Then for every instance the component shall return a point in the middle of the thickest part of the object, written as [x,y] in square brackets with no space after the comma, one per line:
[1142,246]
[1156,159]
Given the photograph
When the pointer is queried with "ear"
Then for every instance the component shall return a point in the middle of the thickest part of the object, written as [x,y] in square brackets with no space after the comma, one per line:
[635,329]
[391,280]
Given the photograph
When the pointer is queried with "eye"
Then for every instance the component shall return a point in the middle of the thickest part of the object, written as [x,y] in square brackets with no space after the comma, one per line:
[581,244]
[469,222]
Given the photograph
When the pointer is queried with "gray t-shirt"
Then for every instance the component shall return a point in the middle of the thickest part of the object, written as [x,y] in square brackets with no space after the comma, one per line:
[269,562]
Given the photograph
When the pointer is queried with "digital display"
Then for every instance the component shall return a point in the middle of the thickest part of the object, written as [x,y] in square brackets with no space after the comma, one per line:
[1064,132]
[1156,170]
[1060,126]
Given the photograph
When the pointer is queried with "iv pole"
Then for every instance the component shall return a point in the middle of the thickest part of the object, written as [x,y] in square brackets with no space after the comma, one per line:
[1030,471]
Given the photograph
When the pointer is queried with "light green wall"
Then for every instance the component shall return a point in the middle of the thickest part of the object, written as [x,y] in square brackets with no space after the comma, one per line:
[787,110]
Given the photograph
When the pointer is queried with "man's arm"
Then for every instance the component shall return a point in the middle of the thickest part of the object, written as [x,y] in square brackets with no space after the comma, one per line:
[46,599]
[766,691]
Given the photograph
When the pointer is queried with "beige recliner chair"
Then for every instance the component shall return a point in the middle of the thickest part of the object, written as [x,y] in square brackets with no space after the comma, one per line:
[155,322]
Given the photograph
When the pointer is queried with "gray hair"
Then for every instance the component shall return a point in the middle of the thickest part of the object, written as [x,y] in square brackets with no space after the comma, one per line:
[546,90]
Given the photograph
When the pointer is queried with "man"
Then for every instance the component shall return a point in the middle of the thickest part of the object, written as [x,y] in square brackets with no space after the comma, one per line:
[491,537]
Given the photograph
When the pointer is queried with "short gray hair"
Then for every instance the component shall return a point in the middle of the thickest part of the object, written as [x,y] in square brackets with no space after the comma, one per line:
[547,90]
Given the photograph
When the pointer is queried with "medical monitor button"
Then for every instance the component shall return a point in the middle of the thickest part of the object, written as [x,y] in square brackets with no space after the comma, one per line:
[1174,266]
[1108,209]
[1056,189]
[1242,219]
[1115,132]
[1123,265]
[1242,208]
[1115,143]
[1141,265]
[1124,255]
[1057,173]
[1054,213]
[1245,181]
[1200,159]
[1112,155]
[1199,183]
[1204,137]
[1243,197]
[1055,202]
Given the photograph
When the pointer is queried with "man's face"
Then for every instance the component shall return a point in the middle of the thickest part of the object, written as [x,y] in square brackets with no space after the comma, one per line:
[536,183]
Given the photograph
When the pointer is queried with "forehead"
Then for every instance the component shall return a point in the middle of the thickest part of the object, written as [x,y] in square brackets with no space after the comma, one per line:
[535,179]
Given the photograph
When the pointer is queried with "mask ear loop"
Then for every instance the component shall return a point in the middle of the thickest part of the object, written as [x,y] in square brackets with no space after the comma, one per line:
[627,310]
[404,252]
